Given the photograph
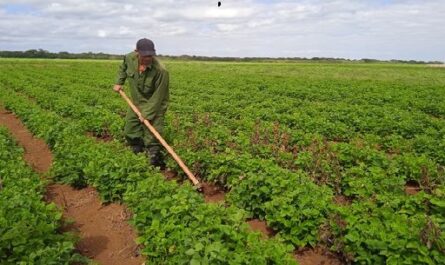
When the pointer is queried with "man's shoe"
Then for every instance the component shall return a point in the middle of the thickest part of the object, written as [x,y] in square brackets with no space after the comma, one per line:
[136,145]
[137,148]
[156,157]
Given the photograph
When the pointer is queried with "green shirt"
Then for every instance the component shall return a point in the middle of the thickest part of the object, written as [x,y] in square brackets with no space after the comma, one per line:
[149,89]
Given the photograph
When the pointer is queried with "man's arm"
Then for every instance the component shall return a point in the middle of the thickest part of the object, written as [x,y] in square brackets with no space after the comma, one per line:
[121,76]
[157,102]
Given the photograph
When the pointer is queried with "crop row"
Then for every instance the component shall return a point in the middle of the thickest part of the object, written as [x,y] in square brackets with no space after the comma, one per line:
[285,149]
[173,221]
[28,226]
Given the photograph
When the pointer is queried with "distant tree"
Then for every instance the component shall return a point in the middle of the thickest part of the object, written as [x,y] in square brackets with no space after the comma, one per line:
[40,53]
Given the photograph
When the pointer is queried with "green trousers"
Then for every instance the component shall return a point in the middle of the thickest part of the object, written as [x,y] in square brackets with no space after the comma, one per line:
[135,130]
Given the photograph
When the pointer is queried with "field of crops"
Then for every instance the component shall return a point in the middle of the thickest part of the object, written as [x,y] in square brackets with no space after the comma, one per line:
[345,156]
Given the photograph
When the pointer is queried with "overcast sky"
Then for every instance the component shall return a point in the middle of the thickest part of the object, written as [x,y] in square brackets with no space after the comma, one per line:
[381,29]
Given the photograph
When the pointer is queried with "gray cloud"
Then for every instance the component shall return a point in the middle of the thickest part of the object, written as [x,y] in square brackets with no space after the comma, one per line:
[382,29]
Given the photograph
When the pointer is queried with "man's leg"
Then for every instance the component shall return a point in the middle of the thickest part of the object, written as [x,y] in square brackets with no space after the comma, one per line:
[134,132]
[154,148]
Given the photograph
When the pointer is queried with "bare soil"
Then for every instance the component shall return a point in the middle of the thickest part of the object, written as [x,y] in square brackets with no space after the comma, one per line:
[412,187]
[342,200]
[37,154]
[212,193]
[101,138]
[317,256]
[105,235]
[171,175]
[261,226]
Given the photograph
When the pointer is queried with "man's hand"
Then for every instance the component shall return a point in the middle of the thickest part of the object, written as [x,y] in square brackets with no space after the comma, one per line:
[117,88]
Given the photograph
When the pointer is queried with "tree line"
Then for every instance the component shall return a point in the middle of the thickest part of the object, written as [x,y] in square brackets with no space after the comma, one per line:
[44,54]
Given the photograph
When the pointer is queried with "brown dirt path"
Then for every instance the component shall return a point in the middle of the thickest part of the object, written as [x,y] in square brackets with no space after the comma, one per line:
[37,154]
[105,235]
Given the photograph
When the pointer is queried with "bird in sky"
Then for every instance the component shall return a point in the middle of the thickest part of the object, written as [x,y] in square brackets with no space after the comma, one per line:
[219,3]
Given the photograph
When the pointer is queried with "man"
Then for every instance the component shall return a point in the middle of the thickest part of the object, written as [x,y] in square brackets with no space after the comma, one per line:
[149,87]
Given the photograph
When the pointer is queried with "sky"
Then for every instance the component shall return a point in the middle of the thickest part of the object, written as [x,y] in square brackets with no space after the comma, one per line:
[354,29]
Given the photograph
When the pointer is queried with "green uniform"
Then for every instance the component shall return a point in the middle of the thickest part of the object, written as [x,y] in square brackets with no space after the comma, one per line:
[150,93]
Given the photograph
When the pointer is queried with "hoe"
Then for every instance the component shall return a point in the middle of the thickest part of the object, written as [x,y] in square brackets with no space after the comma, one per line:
[163,142]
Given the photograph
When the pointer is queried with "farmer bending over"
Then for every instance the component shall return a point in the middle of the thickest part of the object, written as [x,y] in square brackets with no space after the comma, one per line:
[149,82]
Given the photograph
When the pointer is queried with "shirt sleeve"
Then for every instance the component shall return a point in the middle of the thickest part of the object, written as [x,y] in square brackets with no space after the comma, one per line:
[121,73]
[157,103]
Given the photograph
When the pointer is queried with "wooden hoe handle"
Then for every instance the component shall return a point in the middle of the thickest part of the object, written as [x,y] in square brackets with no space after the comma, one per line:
[161,140]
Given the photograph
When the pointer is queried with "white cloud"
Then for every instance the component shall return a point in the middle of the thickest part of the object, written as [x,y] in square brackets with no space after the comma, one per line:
[382,29]
[227,27]
[102,33]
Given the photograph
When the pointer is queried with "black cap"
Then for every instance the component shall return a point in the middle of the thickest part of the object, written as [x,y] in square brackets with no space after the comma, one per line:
[145,47]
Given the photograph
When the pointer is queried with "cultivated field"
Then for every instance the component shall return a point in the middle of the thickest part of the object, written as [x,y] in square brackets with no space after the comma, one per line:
[344,157]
